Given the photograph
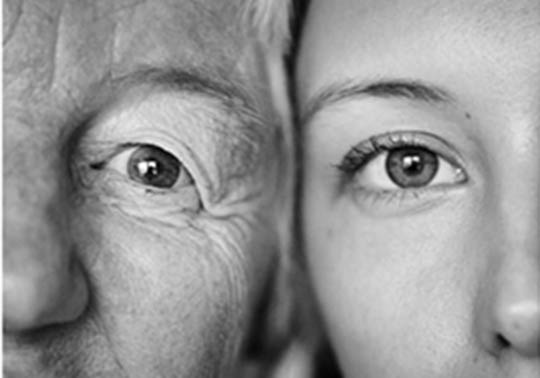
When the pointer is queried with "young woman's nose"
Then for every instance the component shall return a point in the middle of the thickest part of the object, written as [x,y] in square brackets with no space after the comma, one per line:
[43,281]
[517,308]
[510,311]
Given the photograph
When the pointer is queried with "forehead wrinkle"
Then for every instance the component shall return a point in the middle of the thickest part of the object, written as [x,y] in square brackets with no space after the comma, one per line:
[122,48]
[80,36]
[11,14]
[215,17]
[200,25]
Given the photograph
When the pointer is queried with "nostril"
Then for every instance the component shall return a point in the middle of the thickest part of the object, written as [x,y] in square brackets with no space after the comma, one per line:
[502,342]
[519,327]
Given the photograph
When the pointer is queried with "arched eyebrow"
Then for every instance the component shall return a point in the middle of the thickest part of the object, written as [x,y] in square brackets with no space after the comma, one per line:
[393,89]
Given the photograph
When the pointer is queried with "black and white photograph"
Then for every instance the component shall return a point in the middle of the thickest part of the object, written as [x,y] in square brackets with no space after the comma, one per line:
[270,189]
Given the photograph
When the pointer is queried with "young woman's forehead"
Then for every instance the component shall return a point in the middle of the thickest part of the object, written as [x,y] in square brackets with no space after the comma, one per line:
[493,16]
[393,37]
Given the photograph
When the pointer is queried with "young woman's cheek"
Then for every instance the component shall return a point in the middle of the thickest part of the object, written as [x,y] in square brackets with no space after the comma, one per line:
[391,288]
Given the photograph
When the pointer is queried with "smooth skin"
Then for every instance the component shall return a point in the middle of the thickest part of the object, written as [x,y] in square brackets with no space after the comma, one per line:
[114,265]
[424,273]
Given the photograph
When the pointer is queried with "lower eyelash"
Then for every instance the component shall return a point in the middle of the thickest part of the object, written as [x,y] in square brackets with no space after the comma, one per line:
[398,201]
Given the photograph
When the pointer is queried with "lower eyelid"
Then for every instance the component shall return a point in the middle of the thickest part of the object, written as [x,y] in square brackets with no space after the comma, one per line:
[402,202]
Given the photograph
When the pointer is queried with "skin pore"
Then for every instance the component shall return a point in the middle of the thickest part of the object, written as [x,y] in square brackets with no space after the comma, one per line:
[420,129]
[142,167]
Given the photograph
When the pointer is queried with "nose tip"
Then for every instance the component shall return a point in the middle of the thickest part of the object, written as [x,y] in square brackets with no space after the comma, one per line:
[43,296]
[519,326]
[43,281]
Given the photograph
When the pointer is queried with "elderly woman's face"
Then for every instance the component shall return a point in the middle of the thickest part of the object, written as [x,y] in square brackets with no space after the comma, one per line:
[421,189]
[139,177]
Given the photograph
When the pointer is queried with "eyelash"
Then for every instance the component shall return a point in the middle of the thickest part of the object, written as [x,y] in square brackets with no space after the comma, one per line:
[363,153]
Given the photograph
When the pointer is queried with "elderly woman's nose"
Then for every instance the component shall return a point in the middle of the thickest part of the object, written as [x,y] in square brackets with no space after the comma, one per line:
[43,282]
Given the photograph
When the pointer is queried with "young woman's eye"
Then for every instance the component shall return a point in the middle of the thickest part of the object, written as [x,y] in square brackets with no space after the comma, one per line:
[393,163]
[151,166]
[411,167]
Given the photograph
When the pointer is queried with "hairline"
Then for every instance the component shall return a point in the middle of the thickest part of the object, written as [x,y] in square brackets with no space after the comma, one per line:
[270,20]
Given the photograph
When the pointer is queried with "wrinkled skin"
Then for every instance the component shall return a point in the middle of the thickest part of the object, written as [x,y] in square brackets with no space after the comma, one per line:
[103,275]
[441,280]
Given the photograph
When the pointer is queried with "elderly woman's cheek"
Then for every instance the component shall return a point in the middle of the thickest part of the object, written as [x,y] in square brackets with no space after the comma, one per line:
[160,286]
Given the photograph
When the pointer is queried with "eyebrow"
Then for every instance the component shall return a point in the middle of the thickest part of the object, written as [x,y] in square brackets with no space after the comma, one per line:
[189,81]
[387,89]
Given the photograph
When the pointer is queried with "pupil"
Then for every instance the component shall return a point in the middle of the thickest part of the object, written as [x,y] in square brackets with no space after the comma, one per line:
[148,169]
[411,167]
[412,164]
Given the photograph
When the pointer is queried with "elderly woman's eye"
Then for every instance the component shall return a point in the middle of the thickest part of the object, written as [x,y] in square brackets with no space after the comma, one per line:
[399,162]
[151,166]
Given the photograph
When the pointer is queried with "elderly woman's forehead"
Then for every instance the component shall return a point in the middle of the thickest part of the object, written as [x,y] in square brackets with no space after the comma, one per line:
[70,46]
[123,31]
[184,11]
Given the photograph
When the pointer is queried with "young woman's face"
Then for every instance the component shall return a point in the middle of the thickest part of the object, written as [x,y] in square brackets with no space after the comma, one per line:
[420,203]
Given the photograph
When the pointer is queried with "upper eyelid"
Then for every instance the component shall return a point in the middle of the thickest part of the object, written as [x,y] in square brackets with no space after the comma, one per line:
[421,138]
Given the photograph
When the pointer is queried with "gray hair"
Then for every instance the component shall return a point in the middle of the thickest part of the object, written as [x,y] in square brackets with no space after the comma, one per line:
[270,20]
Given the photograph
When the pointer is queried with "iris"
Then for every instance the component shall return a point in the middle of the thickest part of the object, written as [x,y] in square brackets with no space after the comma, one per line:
[411,167]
